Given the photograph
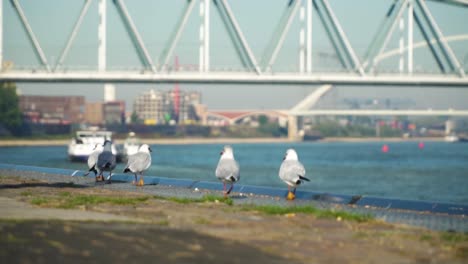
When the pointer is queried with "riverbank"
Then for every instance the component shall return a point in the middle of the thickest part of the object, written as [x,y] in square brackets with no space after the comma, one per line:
[134,226]
[184,141]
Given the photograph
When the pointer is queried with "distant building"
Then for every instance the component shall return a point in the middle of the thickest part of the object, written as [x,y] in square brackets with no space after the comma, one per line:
[105,113]
[148,107]
[201,111]
[189,101]
[109,92]
[94,113]
[160,107]
[114,112]
[52,109]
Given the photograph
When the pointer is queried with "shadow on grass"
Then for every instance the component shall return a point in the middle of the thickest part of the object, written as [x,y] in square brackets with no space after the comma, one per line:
[42,184]
[73,242]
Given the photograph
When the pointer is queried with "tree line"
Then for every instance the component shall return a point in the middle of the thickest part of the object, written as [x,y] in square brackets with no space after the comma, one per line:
[10,114]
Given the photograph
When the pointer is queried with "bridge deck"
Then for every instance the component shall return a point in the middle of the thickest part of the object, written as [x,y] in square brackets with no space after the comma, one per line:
[235,78]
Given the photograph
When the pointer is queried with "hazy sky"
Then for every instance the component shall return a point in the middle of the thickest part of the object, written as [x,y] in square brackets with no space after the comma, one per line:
[52,21]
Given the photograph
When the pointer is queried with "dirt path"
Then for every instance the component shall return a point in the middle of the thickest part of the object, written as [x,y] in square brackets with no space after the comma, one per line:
[165,231]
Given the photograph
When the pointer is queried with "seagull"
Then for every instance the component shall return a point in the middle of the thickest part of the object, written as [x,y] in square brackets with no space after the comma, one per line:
[139,162]
[92,159]
[106,161]
[292,172]
[227,170]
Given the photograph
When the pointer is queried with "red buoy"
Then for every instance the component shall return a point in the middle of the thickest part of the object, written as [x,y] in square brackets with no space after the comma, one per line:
[421,145]
[385,148]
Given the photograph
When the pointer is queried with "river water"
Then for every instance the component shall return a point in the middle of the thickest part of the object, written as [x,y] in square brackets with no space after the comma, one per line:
[437,172]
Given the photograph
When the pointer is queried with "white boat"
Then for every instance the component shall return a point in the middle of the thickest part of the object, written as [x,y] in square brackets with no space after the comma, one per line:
[84,142]
[451,138]
[131,145]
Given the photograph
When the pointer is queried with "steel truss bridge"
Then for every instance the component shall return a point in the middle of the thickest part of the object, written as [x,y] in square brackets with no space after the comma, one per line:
[357,69]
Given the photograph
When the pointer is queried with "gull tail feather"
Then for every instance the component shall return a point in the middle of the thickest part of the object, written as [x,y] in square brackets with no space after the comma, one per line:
[303,178]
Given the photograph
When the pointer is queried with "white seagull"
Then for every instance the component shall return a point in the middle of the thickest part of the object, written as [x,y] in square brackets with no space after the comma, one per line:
[227,170]
[92,159]
[106,161]
[292,172]
[139,162]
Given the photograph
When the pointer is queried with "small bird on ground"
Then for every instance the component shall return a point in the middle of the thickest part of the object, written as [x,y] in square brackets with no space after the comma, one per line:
[292,172]
[92,160]
[106,161]
[227,170]
[138,163]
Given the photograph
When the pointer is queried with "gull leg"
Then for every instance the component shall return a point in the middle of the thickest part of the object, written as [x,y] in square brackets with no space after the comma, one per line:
[99,177]
[135,181]
[291,196]
[91,170]
[141,182]
[230,189]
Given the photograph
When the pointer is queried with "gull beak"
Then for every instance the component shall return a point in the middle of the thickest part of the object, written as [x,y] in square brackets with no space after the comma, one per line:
[150,150]
[221,153]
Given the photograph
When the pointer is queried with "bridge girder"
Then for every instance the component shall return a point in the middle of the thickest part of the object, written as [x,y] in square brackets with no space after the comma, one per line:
[358,73]
[235,78]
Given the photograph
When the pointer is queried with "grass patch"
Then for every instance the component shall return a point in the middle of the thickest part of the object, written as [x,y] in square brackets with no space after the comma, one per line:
[204,199]
[307,209]
[426,237]
[80,200]
[163,223]
[453,237]
[68,201]
[5,177]
[40,201]
[214,198]
[65,194]
[361,235]
[182,200]
[457,241]
[202,221]
[26,193]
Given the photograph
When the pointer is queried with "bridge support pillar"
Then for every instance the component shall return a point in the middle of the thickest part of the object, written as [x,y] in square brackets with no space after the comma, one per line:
[293,131]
